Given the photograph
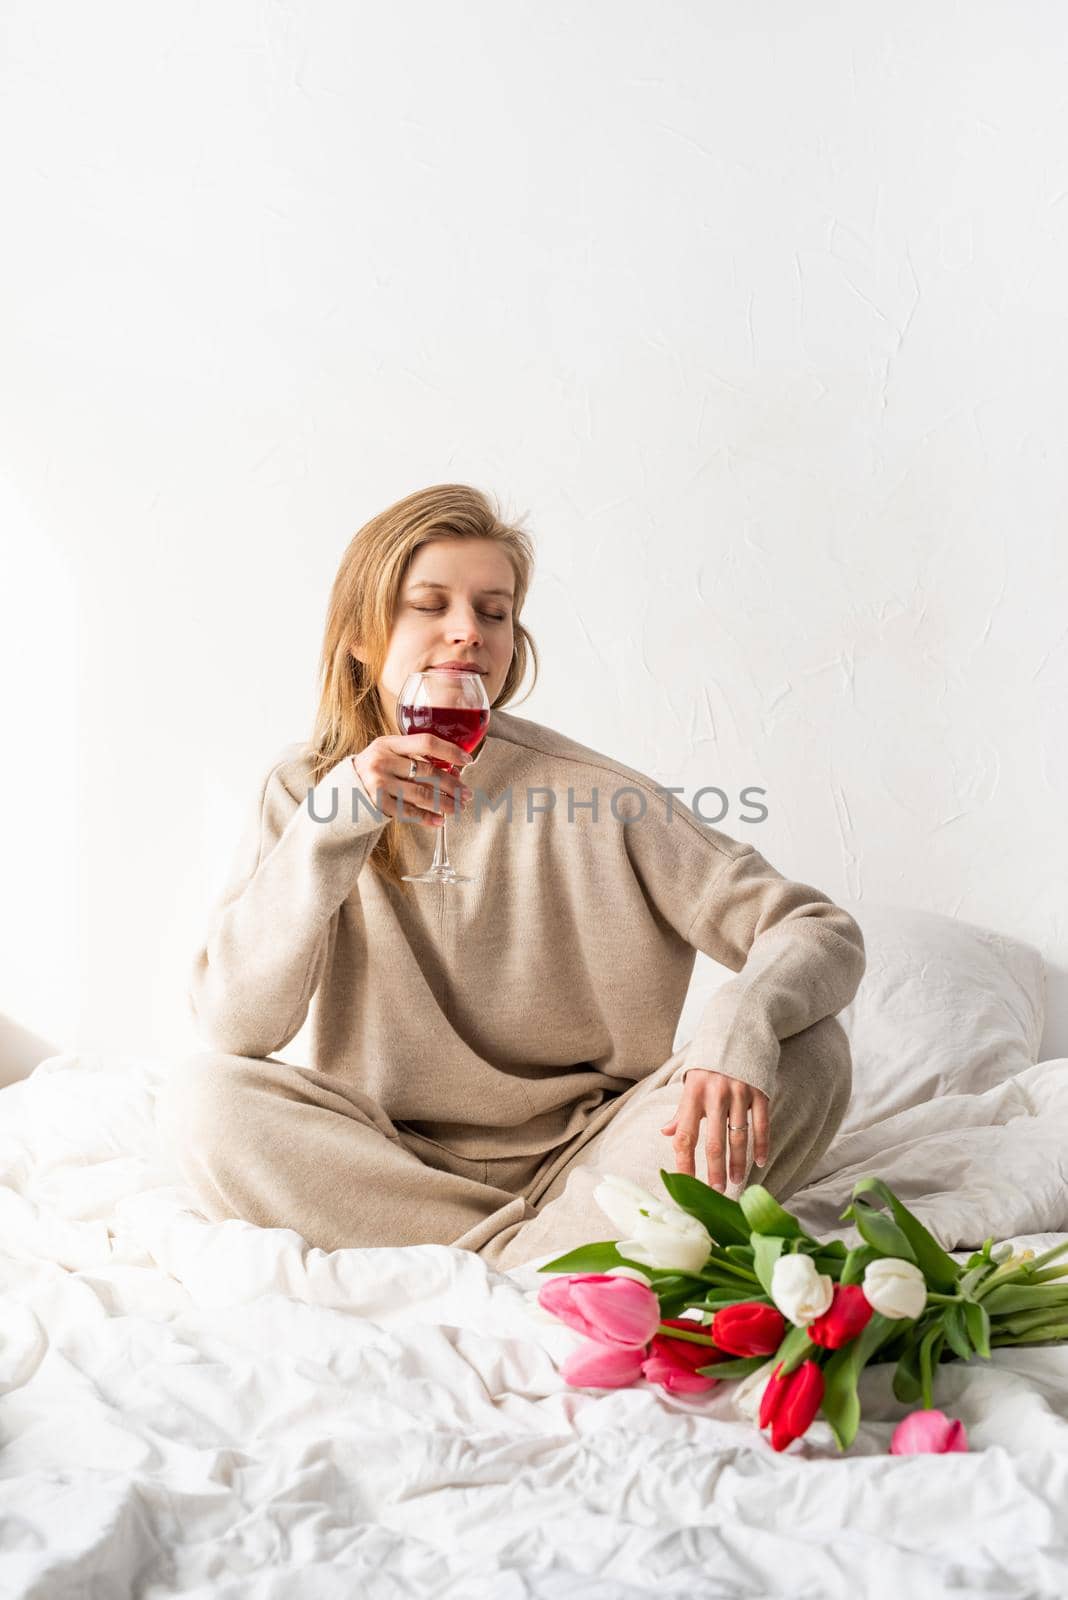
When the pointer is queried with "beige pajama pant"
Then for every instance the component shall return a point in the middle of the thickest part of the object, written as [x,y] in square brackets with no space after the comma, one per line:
[286,1147]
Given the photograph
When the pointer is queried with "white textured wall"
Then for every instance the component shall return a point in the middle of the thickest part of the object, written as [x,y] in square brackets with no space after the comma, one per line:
[757,311]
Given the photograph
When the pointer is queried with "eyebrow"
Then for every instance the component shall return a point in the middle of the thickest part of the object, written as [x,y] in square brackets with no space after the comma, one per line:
[425,583]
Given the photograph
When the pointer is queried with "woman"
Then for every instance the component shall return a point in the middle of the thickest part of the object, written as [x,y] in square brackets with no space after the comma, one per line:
[484,1054]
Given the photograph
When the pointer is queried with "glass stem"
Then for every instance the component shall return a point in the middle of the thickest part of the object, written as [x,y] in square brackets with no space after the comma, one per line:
[441,852]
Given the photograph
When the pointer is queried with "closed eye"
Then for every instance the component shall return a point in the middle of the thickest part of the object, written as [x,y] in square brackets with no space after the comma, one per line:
[493,616]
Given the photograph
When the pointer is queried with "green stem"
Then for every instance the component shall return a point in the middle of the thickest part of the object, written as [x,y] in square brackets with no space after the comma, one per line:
[730,1267]
[1016,1322]
[1050,1335]
[1050,1275]
[1000,1275]
[930,1350]
[1048,1255]
[681,1333]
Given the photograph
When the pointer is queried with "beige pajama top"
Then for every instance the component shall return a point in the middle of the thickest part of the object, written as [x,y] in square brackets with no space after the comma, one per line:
[494,1017]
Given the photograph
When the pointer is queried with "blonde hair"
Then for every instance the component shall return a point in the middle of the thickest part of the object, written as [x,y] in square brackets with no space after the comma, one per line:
[362,607]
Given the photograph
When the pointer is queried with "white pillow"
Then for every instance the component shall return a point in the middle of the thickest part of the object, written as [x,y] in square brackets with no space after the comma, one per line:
[943,1007]
[20,1051]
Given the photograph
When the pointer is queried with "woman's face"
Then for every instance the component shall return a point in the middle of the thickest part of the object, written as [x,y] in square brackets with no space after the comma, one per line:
[455,604]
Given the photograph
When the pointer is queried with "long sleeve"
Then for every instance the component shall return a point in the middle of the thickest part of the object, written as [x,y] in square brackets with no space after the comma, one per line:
[268,941]
[798,957]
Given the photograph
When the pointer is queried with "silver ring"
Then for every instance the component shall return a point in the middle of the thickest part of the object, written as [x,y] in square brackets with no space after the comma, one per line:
[413,763]
[742,1127]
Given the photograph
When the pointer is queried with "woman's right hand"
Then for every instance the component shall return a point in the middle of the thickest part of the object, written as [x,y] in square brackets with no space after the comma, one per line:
[384,765]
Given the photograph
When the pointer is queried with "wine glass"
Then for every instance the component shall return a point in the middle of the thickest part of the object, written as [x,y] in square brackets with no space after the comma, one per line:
[452,704]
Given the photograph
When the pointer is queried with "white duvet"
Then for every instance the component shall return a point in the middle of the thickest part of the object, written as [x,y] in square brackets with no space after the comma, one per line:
[217,1410]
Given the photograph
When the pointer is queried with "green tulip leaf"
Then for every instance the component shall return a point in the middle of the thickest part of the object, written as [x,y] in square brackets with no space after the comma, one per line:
[956,1331]
[1051,1333]
[878,1230]
[1025,1321]
[724,1218]
[726,1295]
[977,1321]
[938,1268]
[739,1367]
[795,1348]
[764,1214]
[840,1404]
[856,1261]
[823,1261]
[766,1251]
[1024,1297]
[674,1290]
[906,1381]
[591,1258]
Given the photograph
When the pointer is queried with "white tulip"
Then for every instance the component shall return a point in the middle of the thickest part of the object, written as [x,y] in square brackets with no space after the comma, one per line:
[894,1288]
[668,1239]
[623,1200]
[800,1292]
[659,1233]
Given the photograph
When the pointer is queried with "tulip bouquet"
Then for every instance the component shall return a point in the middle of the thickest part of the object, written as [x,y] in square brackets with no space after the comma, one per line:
[704,1289]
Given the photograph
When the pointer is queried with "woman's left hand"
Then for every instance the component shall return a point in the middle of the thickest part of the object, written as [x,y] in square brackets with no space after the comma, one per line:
[722,1100]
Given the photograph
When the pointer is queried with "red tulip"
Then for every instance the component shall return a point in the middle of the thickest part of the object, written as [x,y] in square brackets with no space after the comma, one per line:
[748,1329]
[673,1363]
[789,1403]
[849,1311]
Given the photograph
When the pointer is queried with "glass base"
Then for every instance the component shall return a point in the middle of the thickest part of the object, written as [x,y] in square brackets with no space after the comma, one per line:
[436,877]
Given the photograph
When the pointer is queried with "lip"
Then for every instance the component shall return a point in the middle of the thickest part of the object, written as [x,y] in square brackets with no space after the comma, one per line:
[458,666]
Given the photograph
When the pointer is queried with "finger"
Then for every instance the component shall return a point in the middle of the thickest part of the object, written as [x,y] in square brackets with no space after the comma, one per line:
[761,1130]
[416,802]
[687,1126]
[445,789]
[430,795]
[437,749]
[738,1130]
[429,792]
[717,1110]
[437,789]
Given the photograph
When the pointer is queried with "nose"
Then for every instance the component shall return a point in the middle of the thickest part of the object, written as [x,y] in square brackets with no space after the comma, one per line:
[465,628]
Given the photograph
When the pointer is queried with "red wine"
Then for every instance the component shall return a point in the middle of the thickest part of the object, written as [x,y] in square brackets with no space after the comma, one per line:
[462,725]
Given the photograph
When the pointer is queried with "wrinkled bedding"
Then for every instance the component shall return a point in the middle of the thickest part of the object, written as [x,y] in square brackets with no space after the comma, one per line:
[218,1410]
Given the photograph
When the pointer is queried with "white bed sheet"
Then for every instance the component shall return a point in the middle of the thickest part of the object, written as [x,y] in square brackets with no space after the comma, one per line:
[218,1410]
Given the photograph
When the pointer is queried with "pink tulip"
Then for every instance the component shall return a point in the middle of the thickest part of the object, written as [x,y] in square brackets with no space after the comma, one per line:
[673,1363]
[927,1433]
[614,1311]
[674,1377]
[602,1366]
